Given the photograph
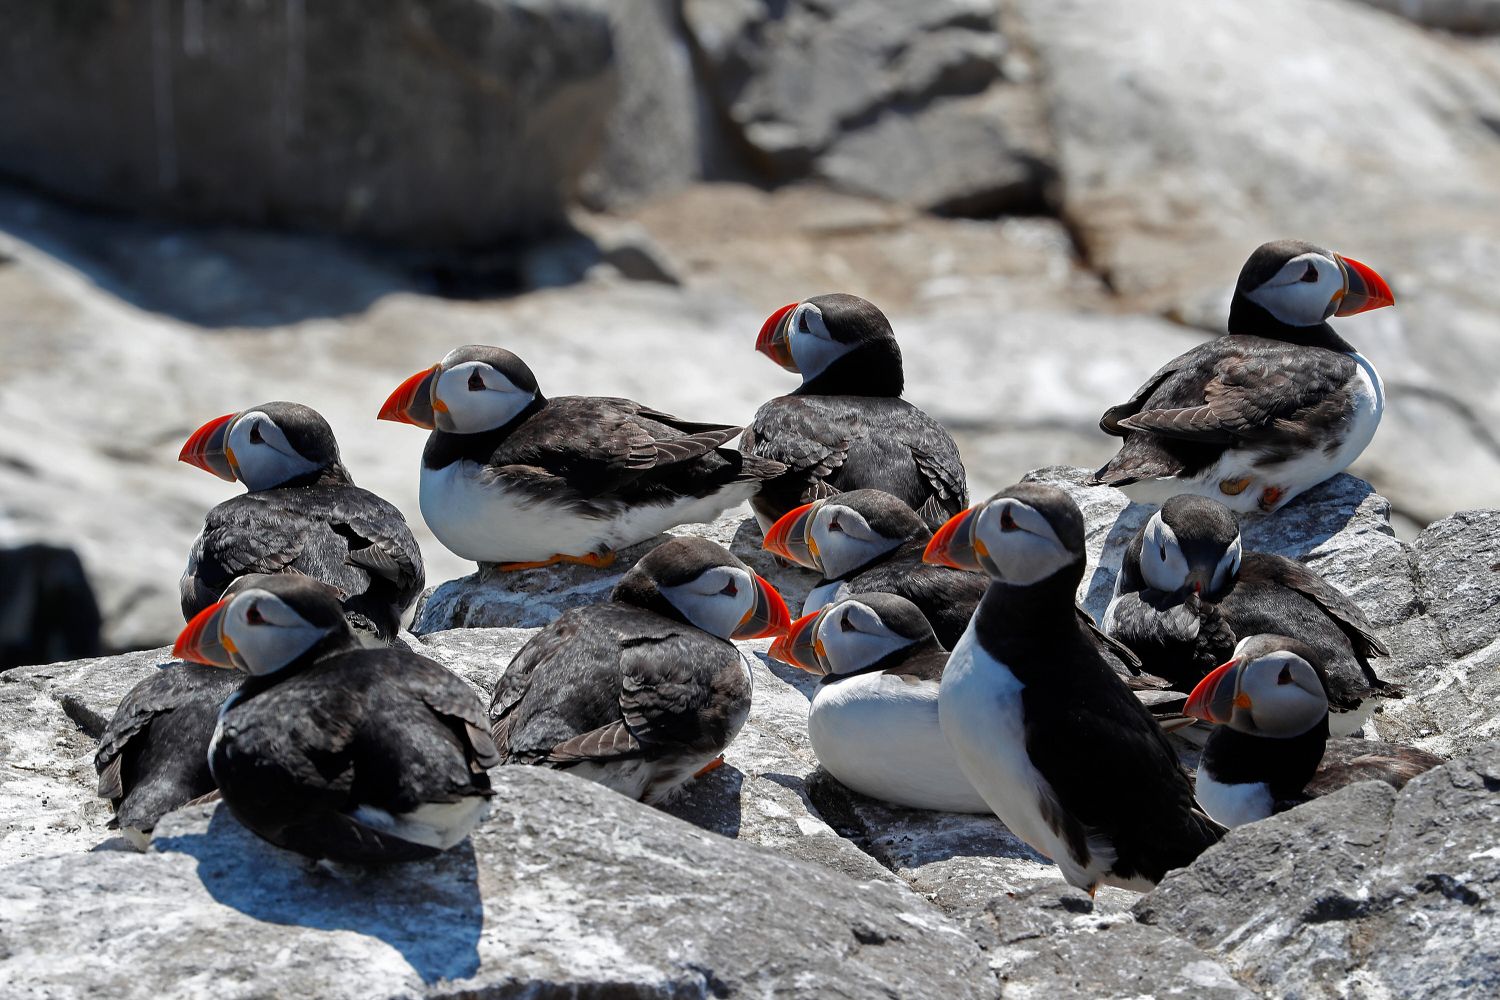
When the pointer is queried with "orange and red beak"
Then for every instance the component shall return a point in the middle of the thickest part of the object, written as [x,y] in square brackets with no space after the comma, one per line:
[775,340]
[208,448]
[412,402]
[203,641]
[954,544]
[1217,695]
[800,646]
[791,537]
[1363,288]
[768,617]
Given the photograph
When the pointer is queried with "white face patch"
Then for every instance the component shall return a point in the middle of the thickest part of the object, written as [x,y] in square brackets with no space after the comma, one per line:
[812,346]
[263,457]
[716,601]
[845,540]
[1286,698]
[1162,562]
[1228,568]
[477,398]
[266,632]
[1020,542]
[1304,292]
[854,637]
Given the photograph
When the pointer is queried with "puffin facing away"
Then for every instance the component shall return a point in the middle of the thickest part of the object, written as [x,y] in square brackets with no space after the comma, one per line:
[867,541]
[331,749]
[1042,725]
[847,427]
[874,718]
[644,691]
[302,514]
[1187,593]
[1276,406]
[1270,750]
[512,477]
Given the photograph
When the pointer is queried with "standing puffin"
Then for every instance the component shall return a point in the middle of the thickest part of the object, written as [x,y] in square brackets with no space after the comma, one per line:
[1187,593]
[1278,405]
[1043,727]
[1270,748]
[512,477]
[874,718]
[645,690]
[846,426]
[867,541]
[302,514]
[334,750]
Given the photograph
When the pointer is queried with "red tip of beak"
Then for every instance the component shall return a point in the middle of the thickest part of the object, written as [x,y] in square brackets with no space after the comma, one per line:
[768,328]
[779,538]
[406,404]
[785,648]
[1367,289]
[950,546]
[779,619]
[1207,701]
[190,644]
[773,341]
[206,444]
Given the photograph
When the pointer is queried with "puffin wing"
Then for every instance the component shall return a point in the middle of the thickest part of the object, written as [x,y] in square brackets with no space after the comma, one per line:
[801,434]
[1343,612]
[1110,423]
[453,701]
[143,704]
[1110,646]
[940,467]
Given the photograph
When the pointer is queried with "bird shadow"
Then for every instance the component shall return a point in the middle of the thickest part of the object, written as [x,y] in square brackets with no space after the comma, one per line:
[429,911]
[712,802]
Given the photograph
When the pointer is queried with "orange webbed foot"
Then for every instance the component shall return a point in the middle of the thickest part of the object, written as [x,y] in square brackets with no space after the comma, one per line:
[1234,487]
[597,560]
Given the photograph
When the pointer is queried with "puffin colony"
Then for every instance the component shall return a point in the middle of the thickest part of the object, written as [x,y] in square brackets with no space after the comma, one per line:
[956,670]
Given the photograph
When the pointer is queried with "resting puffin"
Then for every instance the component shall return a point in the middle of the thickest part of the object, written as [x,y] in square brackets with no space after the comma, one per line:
[1270,748]
[1043,727]
[153,756]
[1279,404]
[1187,593]
[512,477]
[334,750]
[847,427]
[641,692]
[874,718]
[867,541]
[302,514]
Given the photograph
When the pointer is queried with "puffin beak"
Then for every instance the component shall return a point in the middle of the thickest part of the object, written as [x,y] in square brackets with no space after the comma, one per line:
[768,617]
[203,640]
[799,647]
[1363,289]
[412,403]
[773,341]
[791,538]
[208,450]
[954,544]
[1198,581]
[1217,695]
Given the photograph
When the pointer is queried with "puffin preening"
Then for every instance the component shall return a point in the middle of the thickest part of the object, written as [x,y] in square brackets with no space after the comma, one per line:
[512,477]
[1279,404]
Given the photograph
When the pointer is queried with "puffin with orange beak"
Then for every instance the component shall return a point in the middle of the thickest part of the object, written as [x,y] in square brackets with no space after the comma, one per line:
[302,514]
[1270,748]
[1276,406]
[642,692]
[513,478]
[1187,592]
[846,426]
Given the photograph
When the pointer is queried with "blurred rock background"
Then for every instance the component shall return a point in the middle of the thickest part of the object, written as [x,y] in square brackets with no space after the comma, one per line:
[211,204]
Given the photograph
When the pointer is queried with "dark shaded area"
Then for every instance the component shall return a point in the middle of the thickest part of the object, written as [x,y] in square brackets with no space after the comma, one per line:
[47,607]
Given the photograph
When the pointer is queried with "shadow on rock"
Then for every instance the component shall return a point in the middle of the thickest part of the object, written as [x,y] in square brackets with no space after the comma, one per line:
[1101,585]
[712,802]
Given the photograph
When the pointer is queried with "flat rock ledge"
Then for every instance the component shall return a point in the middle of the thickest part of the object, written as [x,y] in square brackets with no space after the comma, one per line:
[767,876]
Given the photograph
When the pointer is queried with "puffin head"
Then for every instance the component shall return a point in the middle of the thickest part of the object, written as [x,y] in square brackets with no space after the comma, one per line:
[1273,686]
[1301,285]
[264,623]
[699,582]
[472,390]
[844,533]
[854,634]
[1019,536]
[265,446]
[1191,544]
[824,332]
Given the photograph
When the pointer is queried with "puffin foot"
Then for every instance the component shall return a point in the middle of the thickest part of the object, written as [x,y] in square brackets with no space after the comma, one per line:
[1234,487]
[1270,498]
[598,560]
[712,765]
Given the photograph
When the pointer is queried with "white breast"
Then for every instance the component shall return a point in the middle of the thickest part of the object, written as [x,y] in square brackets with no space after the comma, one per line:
[433,824]
[1233,805]
[879,735]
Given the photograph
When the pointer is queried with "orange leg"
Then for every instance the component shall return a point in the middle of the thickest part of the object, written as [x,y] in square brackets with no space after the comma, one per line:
[1270,497]
[1234,487]
[598,560]
[712,765]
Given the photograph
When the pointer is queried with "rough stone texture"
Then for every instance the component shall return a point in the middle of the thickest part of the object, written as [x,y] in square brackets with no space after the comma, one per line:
[1365,892]
[548,895]
[403,123]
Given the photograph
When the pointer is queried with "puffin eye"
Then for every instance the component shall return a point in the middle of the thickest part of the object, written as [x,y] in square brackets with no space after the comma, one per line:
[845,625]
[730,590]
[1161,551]
[253,616]
[255,437]
[1311,274]
[833,525]
[1285,677]
[476,381]
[1007,523]
[802,324]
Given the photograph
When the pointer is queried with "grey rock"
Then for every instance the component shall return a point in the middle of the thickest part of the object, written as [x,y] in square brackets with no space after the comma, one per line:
[567,888]
[401,124]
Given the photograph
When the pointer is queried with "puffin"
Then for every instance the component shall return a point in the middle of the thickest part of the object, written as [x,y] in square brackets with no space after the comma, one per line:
[1277,405]
[153,756]
[302,513]
[1041,724]
[874,718]
[333,749]
[641,692]
[1187,593]
[513,478]
[867,541]
[1270,748]
[846,426]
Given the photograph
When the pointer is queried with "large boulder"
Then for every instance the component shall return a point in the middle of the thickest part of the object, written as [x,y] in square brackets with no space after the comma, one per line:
[446,124]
